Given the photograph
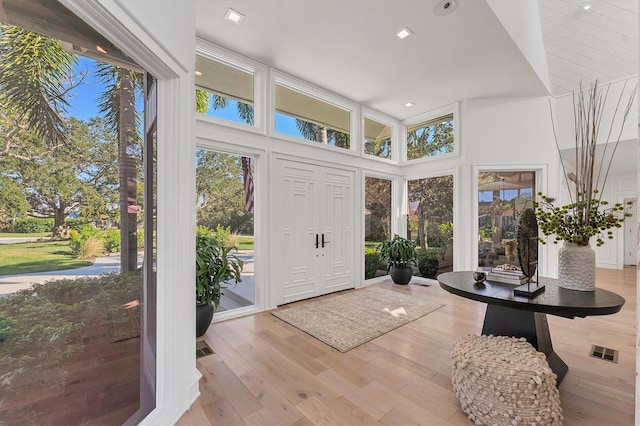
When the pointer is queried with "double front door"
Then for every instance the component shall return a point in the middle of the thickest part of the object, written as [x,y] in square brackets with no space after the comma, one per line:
[313,217]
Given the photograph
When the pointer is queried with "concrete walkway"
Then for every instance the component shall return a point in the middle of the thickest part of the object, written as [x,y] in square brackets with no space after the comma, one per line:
[102,265]
[16,240]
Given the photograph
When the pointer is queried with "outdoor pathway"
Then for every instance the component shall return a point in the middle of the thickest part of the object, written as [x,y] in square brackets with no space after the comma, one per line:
[102,265]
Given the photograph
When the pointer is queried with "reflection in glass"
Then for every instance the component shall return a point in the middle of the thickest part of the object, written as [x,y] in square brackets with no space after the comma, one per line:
[502,197]
[377,139]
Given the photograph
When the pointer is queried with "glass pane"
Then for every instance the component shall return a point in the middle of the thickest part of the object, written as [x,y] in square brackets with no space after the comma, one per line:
[70,335]
[377,223]
[502,197]
[224,92]
[225,208]
[377,139]
[430,224]
[430,138]
[305,117]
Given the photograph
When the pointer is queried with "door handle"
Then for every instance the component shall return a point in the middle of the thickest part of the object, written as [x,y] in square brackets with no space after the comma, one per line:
[323,241]
[317,240]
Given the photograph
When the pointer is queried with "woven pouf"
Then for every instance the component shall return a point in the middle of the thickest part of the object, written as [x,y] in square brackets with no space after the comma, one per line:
[504,381]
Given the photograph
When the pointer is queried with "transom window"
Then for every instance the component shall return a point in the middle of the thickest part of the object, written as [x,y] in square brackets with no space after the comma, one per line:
[303,116]
[430,138]
[377,138]
[224,91]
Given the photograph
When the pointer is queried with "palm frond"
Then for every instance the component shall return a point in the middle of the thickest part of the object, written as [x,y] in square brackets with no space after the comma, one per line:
[33,69]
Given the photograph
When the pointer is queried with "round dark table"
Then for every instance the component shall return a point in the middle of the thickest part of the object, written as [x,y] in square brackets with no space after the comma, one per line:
[519,316]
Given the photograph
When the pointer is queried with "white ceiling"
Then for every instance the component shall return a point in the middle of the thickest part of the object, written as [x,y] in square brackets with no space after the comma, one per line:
[598,43]
[350,48]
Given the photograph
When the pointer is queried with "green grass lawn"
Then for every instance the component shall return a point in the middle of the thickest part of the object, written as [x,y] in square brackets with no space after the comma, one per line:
[371,244]
[245,242]
[42,256]
[15,234]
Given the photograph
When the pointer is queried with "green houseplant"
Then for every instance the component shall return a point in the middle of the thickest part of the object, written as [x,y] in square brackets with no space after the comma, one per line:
[214,265]
[399,254]
[586,215]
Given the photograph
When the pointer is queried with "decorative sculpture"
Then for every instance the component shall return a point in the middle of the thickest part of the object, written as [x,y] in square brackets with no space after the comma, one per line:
[528,253]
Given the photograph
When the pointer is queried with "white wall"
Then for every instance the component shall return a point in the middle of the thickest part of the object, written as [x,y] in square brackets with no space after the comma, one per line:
[514,133]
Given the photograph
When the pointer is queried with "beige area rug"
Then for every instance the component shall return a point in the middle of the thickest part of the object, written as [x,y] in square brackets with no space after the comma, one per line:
[349,320]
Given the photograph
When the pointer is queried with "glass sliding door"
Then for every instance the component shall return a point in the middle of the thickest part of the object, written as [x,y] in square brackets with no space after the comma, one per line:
[502,197]
[377,223]
[430,223]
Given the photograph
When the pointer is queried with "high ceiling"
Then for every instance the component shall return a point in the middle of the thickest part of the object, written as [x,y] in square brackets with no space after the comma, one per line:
[351,48]
[599,42]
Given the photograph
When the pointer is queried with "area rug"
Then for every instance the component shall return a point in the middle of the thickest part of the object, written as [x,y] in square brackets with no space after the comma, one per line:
[349,320]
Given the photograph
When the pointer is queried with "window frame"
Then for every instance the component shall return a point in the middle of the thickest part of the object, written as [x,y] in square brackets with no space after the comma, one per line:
[216,53]
[292,83]
[453,109]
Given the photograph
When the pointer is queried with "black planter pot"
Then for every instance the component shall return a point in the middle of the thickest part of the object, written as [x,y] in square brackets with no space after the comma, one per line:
[204,315]
[401,274]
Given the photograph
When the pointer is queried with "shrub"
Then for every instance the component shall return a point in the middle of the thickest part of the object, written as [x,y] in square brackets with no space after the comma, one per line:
[371,262]
[85,242]
[50,323]
[204,231]
[111,240]
[223,235]
[30,225]
[140,238]
[428,262]
[76,223]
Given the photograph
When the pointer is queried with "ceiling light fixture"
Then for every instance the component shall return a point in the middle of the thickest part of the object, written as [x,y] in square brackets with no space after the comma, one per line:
[445,7]
[404,33]
[409,104]
[234,16]
[587,7]
[101,50]
[198,73]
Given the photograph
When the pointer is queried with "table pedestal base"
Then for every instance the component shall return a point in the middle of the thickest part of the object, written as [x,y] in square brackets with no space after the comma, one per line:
[501,321]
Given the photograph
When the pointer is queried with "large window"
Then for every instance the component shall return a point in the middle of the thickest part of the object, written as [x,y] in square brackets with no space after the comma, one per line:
[377,223]
[224,91]
[430,223]
[502,197]
[225,206]
[303,116]
[431,138]
[377,138]
[81,178]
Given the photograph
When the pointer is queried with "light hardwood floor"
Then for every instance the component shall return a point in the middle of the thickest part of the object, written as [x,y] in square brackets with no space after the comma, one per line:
[266,372]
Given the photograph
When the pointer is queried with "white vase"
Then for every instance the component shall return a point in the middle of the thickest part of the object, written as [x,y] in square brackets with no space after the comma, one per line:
[577,267]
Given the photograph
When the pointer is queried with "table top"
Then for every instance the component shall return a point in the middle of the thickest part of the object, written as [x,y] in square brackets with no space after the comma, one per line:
[553,300]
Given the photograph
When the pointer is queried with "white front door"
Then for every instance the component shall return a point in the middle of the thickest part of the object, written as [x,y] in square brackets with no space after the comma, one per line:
[313,216]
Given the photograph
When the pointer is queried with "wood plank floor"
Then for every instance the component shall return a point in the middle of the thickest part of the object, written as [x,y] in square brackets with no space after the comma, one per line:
[266,372]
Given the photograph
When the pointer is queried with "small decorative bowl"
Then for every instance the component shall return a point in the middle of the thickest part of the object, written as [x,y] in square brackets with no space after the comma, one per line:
[480,276]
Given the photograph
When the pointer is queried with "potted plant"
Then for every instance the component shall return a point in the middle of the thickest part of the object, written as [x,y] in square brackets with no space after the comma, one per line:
[399,254]
[214,265]
[586,215]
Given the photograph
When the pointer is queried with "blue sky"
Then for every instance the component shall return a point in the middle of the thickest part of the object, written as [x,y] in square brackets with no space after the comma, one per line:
[84,98]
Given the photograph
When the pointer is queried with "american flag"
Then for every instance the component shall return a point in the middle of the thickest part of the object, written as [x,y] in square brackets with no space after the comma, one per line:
[248,183]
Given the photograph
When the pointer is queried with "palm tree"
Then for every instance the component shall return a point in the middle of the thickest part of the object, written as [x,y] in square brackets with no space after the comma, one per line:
[118,106]
[33,72]
[206,101]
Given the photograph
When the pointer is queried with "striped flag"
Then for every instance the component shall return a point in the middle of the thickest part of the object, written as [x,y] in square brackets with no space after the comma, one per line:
[248,183]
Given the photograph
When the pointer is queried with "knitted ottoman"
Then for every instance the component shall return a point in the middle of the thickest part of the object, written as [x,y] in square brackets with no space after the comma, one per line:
[504,381]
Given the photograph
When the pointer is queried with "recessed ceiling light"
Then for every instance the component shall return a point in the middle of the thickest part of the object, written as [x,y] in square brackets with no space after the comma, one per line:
[587,7]
[234,16]
[198,74]
[445,7]
[409,104]
[101,50]
[404,33]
